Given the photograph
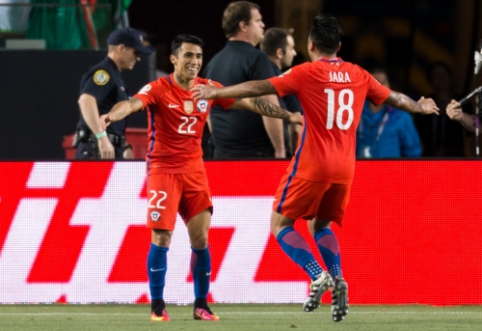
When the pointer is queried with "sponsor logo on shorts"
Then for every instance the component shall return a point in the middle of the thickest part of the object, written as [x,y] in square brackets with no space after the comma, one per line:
[155,215]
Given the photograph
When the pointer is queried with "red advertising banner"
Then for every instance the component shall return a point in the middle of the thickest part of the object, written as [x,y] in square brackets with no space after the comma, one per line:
[74,232]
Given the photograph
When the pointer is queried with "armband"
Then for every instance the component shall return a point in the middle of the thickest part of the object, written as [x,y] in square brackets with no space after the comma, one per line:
[101,134]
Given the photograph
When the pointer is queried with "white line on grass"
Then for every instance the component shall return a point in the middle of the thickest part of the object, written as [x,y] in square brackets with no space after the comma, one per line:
[250,313]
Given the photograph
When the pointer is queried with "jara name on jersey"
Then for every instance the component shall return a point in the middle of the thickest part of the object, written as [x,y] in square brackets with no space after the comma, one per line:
[339,77]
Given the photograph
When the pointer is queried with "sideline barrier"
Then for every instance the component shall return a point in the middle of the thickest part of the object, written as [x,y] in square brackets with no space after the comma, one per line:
[74,232]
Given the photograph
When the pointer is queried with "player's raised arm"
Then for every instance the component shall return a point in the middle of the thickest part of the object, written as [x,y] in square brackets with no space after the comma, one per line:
[263,107]
[120,111]
[404,102]
[253,88]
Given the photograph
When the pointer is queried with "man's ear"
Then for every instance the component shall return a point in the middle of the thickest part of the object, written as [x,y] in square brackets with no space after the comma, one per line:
[242,26]
[279,53]
[173,59]
[311,45]
[339,46]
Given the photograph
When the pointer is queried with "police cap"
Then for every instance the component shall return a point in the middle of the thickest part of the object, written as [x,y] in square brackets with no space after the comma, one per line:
[128,37]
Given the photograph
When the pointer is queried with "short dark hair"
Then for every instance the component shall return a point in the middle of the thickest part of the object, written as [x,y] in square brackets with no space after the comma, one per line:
[236,12]
[184,38]
[326,33]
[274,38]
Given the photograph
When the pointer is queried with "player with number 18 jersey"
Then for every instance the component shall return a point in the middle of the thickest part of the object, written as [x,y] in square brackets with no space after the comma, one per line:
[326,149]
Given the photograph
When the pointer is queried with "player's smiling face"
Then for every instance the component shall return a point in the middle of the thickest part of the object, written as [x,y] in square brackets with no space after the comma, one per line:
[188,61]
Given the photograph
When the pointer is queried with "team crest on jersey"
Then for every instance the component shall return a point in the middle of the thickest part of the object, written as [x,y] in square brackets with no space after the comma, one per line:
[145,89]
[155,215]
[188,106]
[101,77]
[202,105]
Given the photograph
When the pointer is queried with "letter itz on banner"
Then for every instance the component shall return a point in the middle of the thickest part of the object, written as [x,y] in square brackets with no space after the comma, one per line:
[75,232]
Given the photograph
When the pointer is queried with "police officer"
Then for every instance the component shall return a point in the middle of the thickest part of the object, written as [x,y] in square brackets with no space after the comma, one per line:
[101,88]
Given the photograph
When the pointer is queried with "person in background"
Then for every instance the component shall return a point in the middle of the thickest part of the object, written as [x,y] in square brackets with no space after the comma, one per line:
[100,89]
[279,45]
[316,186]
[440,137]
[238,133]
[384,131]
[177,181]
[468,121]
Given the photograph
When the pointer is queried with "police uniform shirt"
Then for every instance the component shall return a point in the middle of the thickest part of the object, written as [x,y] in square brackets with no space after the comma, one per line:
[104,82]
[234,129]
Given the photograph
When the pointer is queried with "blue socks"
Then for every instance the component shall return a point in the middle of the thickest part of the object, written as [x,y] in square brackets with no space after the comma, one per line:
[201,271]
[330,251]
[296,247]
[156,270]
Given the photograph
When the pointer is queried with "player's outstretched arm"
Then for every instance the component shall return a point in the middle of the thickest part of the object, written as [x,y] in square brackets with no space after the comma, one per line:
[254,88]
[404,102]
[120,111]
[264,107]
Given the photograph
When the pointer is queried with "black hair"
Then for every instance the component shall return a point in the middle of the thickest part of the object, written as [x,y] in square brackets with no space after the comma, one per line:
[326,33]
[184,38]
[274,38]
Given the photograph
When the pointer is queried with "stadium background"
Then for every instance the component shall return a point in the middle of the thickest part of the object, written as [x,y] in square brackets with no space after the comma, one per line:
[411,235]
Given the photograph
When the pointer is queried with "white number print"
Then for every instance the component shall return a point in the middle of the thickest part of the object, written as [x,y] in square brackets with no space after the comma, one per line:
[341,109]
[189,121]
[162,197]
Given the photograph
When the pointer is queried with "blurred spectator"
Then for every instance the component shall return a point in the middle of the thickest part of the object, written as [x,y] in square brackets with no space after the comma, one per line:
[149,40]
[455,113]
[100,89]
[279,45]
[385,131]
[440,136]
[239,133]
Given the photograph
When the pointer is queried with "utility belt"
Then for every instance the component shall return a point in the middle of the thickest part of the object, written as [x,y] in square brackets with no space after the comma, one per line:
[88,137]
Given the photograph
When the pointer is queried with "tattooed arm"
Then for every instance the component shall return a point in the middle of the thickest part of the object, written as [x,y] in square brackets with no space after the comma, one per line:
[253,88]
[120,111]
[401,101]
[263,107]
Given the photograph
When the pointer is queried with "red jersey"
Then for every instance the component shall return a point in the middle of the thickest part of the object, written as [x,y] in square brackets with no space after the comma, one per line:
[175,125]
[331,93]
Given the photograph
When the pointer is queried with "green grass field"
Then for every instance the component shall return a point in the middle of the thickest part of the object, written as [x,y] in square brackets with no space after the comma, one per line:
[238,317]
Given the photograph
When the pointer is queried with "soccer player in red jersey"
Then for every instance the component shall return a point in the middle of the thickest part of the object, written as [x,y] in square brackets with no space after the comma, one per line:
[317,184]
[177,177]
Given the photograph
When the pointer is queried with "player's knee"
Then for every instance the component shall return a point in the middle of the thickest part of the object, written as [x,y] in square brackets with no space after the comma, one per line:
[161,238]
[199,240]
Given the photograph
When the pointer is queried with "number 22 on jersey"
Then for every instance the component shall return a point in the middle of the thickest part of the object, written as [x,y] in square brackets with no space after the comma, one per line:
[186,125]
[345,104]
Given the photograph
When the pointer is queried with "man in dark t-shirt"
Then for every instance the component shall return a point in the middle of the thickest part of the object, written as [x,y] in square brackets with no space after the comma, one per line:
[238,133]
[279,45]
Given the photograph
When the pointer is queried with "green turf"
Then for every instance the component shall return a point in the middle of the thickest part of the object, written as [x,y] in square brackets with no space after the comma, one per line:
[238,317]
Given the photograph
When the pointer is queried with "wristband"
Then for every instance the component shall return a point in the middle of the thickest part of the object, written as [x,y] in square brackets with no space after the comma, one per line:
[100,135]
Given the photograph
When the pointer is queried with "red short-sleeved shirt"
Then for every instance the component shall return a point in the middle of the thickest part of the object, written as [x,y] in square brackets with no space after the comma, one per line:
[175,125]
[331,93]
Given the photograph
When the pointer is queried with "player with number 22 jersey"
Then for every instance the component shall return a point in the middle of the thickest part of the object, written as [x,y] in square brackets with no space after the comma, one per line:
[176,124]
